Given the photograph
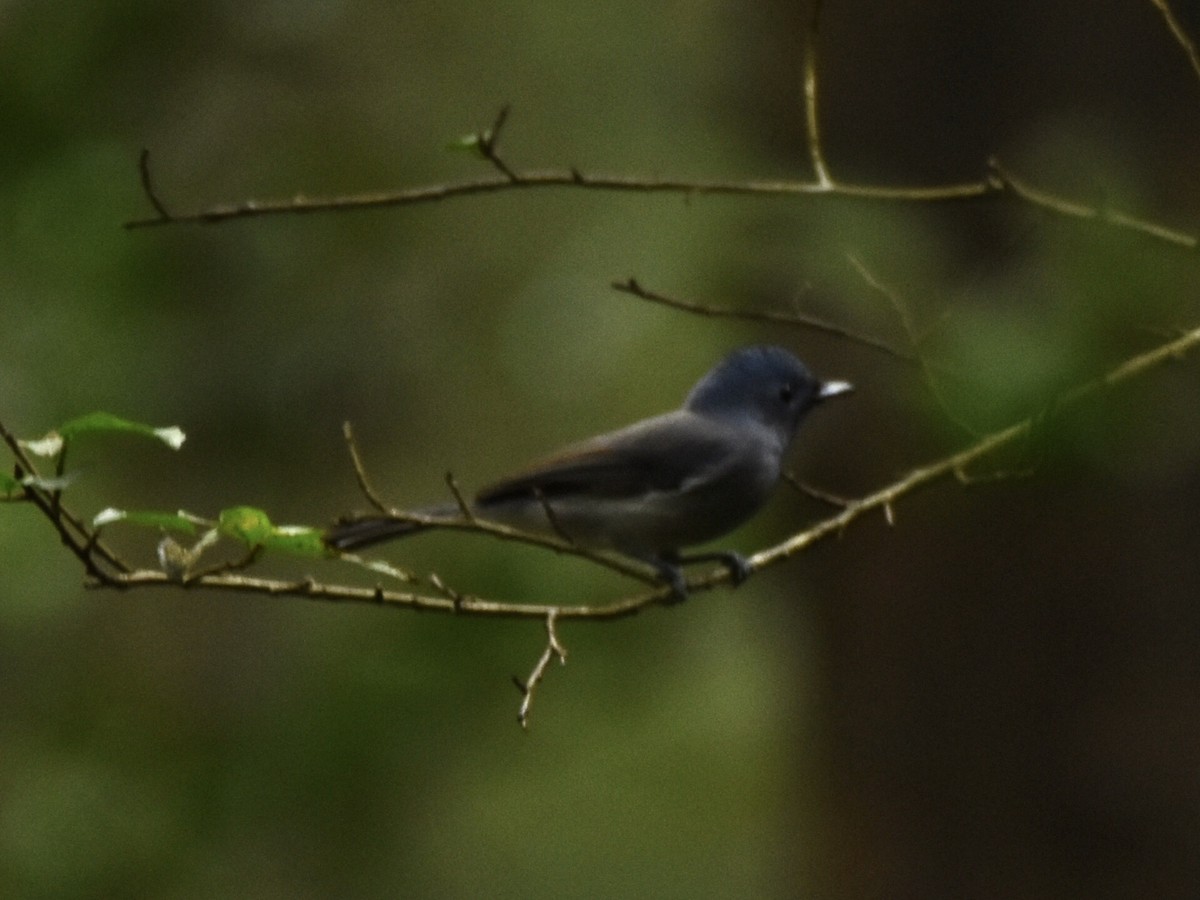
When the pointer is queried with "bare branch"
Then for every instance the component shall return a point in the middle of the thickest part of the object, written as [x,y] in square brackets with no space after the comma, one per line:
[1064,206]
[572,178]
[999,182]
[632,287]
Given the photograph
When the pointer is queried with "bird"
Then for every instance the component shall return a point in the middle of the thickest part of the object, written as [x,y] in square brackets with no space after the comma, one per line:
[656,487]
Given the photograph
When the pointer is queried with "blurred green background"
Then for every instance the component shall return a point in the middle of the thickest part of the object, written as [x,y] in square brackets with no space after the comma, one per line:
[997,697]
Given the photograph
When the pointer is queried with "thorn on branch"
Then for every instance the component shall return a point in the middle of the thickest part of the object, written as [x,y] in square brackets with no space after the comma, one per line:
[530,685]
[148,186]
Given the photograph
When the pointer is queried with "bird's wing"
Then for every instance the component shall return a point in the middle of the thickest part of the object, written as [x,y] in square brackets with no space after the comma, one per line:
[655,455]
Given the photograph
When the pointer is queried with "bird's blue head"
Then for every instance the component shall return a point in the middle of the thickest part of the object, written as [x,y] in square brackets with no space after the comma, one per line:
[765,384]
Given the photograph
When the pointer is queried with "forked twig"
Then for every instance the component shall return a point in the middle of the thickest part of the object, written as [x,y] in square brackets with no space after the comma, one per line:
[528,687]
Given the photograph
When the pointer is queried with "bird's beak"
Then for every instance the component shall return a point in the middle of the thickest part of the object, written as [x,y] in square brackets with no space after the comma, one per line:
[833,388]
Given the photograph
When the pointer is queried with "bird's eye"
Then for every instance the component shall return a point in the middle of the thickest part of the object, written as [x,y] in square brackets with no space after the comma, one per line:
[786,393]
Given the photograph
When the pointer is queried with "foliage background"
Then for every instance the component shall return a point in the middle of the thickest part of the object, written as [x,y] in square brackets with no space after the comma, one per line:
[996,697]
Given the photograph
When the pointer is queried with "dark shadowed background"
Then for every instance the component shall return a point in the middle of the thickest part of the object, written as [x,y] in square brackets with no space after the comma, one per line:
[996,697]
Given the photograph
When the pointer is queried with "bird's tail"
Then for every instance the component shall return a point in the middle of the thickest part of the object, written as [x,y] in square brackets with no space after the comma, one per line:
[362,531]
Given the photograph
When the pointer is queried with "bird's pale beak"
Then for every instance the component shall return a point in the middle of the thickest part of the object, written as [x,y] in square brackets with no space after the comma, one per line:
[833,388]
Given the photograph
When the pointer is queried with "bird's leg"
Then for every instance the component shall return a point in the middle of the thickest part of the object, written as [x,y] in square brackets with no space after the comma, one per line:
[669,571]
[668,566]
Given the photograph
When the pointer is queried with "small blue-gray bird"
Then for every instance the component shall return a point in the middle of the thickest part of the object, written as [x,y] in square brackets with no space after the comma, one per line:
[659,485]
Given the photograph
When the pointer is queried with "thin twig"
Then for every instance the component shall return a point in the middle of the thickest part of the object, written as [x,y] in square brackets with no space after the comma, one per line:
[808,490]
[622,565]
[632,287]
[360,473]
[488,141]
[463,506]
[148,185]
[530,685]
[1064,206]
[997,182]
[906,321]
[811,119]
[1181,36]
[249,558]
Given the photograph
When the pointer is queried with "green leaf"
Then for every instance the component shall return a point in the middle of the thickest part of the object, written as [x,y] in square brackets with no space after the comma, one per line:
[9,485]
[253,527]
[298,540]
[180,521]
[468,143]
[52,443]
[173,437]
[246,524]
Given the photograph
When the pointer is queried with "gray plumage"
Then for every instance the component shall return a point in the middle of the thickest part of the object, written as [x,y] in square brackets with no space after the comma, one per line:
[655,487]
